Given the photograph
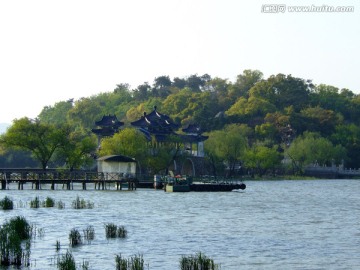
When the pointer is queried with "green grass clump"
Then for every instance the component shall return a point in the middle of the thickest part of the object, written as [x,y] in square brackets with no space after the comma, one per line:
[75,238]
[121,232]
[60,205]
[49,202]
[6,204]
[113,231]
[110,230]
[89,233]
[66,262]
[82,204]
[197,262]
[35,203]
[135,262]
[12,235]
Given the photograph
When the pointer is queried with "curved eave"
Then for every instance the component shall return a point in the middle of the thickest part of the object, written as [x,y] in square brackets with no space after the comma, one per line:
[192,129]
[140,123]
[109,121]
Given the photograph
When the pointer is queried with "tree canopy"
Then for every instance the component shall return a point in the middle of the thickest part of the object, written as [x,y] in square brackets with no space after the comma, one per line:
[42,140]
[278,111]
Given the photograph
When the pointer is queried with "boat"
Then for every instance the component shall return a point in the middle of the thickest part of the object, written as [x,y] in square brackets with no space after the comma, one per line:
[185,184]
[177,184]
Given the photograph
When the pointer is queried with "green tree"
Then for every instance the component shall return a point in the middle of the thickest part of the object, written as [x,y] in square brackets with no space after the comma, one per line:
[128,142]
[220,91]
[311,148]
[261,158]
[85,112]
[228,145]
[42,140]
[77,150]
[161,157]
[251,107]
[321,120]
[348,135]
[57,114]
[179,83]
[195,82]
[142,92]
[283,91]
[244,82]
[161,86]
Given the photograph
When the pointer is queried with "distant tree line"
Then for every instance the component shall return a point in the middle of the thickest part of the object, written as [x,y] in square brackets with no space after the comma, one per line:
[262,125]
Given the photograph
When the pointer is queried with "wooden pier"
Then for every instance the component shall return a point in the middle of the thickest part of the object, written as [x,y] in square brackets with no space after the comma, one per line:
[38,178]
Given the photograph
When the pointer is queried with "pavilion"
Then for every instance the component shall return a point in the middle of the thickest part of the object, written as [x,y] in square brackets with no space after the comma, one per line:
[161,127]
[107,126]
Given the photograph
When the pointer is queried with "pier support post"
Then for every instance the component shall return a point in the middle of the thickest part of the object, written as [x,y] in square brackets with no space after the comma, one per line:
[20,185]
[3,184]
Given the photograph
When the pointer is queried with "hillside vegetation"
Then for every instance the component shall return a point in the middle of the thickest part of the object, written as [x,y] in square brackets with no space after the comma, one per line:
[274,114]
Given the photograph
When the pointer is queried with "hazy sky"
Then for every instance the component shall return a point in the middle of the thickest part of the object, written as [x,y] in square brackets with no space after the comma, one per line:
[51,51]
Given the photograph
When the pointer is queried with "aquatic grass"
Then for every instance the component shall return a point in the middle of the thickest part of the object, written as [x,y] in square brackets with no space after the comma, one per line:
[75,238]
[41,232]
[89,233]
[57,246]
[135,262]
[198,262]
[110,230]
[66,262]
[121,232]
[35,203]
[6,204]
[13,250]
[82,204]
[21,226]
[85,265]
[120,263]
[60,205]
[113,231]
[49,202]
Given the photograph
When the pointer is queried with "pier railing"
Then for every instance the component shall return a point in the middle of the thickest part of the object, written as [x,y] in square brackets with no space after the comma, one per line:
[67,178]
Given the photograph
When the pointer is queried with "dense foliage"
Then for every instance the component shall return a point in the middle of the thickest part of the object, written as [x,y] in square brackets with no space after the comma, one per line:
[260,121]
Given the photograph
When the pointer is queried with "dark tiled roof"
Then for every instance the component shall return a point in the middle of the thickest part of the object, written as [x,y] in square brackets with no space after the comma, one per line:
[117,158]
[192,129]
[161,126]
[155,119]
[107,126]
[109,120]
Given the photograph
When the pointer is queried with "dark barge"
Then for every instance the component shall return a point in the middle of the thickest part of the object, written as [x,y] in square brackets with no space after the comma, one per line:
[185,184]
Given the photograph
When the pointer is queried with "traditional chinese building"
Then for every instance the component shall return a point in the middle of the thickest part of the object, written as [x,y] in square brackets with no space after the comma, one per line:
[107,127]
[194,140]
[160,126]
[156,124]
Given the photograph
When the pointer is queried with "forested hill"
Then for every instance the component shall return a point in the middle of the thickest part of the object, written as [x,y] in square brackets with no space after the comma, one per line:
[277,109]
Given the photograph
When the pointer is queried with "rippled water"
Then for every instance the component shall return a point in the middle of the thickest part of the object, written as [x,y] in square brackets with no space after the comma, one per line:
[271,225]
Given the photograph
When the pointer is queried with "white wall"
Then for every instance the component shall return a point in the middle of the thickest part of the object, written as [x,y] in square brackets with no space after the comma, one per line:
[117,167]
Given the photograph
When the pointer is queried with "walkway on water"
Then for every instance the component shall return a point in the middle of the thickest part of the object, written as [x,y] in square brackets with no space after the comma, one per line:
[66,178]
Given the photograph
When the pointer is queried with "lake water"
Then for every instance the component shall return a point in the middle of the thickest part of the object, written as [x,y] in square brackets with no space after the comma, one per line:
[313,224]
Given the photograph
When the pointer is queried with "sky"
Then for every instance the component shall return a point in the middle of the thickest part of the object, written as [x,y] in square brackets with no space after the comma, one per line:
[54,50]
